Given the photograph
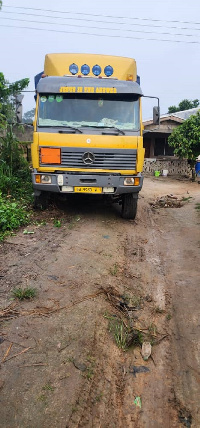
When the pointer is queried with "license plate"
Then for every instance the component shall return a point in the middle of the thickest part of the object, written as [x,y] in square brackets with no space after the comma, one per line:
[88,189]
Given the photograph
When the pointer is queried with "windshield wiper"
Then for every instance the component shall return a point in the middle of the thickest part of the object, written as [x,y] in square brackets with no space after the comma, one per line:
[72,128]
[105,127]
[115,129]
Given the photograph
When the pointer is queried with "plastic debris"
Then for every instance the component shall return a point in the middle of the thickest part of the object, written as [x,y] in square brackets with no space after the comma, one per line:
[27,232]
[146,350]
[138,402]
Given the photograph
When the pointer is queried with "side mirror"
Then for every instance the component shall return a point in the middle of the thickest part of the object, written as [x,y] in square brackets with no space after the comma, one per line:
[156,115]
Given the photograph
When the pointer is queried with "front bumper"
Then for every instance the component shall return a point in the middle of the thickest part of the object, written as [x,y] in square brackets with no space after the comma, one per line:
[89,180]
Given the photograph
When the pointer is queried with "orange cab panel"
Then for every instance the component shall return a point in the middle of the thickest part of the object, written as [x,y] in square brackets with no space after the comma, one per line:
[50,155]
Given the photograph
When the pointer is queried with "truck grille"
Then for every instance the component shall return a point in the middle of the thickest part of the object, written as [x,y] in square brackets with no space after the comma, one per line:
[98,158]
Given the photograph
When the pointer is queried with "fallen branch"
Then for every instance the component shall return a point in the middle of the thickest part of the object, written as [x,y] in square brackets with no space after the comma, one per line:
[32,365]
[16,355]
[162,338]
[7,353]
[9,312]
[14,343]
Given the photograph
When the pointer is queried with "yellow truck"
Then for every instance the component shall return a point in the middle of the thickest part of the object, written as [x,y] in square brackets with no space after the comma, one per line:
[88,129]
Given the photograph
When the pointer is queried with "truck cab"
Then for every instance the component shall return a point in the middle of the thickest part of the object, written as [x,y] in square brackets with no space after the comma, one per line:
[88,129]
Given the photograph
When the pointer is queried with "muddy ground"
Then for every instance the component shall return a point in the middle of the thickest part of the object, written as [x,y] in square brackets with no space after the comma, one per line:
[71,356]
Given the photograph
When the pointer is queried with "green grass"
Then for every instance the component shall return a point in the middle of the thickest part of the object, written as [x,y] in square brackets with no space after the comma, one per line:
[124,336]
[57,223]
[184,199]
[48,387]
[98,397]
[168,317]
[24,293]
[89,373]
[197,206]
[114,270]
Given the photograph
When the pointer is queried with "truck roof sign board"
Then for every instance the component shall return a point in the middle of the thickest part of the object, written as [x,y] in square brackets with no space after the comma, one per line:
[58,84]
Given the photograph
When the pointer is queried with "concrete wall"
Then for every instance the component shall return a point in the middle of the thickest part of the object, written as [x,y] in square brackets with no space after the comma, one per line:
[174,166]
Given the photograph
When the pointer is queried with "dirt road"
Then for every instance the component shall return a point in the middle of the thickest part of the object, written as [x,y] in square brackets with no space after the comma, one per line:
[71,356]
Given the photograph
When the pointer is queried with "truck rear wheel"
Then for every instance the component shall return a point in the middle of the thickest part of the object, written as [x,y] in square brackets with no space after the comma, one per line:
[129,206]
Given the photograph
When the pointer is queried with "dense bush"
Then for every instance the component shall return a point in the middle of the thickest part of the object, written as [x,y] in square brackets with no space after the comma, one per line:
[12,215]
[15,177]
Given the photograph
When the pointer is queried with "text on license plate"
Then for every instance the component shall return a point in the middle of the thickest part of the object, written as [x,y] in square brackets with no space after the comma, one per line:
[88,189]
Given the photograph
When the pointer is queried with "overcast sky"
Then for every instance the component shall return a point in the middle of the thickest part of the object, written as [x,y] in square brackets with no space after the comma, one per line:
[162,35]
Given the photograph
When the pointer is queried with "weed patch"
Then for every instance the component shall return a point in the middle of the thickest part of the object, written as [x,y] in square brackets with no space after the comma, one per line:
[12,215]
[114,270]
[57,223]
[48,387]
[24,293]
[124,335]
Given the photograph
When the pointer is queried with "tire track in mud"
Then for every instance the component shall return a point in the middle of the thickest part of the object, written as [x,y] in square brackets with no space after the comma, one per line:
[124,386]
[183,266]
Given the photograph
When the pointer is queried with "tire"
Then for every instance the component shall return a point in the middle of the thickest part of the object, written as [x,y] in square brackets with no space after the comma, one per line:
[129,206]
[40,202]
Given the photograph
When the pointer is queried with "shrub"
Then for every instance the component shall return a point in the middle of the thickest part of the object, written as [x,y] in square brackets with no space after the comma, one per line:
[12,215]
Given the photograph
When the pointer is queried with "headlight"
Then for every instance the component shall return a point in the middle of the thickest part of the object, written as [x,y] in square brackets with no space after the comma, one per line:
[46,179]
[131,181]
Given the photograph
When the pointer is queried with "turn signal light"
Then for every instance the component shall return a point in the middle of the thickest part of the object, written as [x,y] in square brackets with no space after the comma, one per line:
[137,181]
[38,178]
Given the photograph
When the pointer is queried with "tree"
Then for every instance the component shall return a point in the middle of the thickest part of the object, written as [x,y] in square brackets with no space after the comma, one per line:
[8,93]
[29,116]
[186,139]
[184,105]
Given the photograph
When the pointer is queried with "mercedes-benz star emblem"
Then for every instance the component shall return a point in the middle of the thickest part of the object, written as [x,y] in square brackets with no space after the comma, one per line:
[88,158]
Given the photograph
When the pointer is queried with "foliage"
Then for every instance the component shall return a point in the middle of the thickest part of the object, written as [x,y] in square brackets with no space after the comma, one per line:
[15,176]
[184,105]
[8,92]
[12,215]
[15,181]
[186,139]
[124,335]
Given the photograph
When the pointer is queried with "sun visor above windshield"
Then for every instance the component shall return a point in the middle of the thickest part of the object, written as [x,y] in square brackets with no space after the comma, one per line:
[67,85]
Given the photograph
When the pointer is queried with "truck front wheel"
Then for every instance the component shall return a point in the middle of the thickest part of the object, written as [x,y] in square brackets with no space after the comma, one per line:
[41,201]
[129,206]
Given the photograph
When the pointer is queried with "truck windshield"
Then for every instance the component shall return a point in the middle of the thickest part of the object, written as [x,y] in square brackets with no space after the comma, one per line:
[79,110]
